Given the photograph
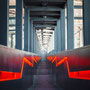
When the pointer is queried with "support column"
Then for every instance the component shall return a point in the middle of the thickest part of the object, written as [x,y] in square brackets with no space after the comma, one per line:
[11,40]
[86,4]
[31,35]
[26,29]
[36,44]
[4,12]
[34,40]
[19,17]
[70,25]
[55,40]
[58,36]
[62,25]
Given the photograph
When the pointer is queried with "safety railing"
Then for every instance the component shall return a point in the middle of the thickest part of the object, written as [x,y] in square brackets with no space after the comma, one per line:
[16,64]
[71,65]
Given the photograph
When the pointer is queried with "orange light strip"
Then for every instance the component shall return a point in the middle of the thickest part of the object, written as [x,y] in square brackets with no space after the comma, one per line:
[60,62]
[5,75]
[53,60]
[48,58]
[78,74]
[28,62]
[34,59]
[37,58]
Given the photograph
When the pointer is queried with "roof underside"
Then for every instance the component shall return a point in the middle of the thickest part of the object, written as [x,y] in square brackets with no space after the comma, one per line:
[44,12]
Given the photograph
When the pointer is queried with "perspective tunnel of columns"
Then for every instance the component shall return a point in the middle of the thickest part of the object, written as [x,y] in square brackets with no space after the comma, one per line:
[44,25]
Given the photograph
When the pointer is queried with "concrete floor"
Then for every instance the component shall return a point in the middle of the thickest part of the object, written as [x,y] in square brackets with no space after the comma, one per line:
[43,80]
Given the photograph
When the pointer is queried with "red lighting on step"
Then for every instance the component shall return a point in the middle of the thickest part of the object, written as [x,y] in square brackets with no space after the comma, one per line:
[48,57]
[6,75]
[77,74]
[37,58]
[53,60]
[60,62]
[34,59]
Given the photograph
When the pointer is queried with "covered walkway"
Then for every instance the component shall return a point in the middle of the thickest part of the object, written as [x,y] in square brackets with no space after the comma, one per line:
[44,45]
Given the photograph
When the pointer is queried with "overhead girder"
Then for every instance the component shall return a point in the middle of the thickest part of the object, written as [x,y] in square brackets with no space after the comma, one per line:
[59,1]
[44,26]
[45,23]
[44,2]
[47,35]
[48,8]
[44,19]
[44,13]
[46,32]
[49,28]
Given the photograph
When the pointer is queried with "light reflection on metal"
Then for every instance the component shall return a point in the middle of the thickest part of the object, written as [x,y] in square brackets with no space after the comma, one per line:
[85,74]
[6,75]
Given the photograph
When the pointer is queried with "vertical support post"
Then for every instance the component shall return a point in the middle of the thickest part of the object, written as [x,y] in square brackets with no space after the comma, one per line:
[19,17]
[86,4]
[34,40]
[26,29]
[11,40]
[59,36]
[4,9]
[55,37]
[70,25]
[62,25]
[36,44]
[31,35]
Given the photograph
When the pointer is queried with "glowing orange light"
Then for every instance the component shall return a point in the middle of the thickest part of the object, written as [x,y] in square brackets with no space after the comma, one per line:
[34,59]
[28,62]
[6,75]
[60,62]
[78,74]
[53,60]
[37,58]
[48,58]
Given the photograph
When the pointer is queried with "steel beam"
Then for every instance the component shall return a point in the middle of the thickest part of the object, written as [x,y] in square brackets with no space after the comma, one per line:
[44,13]
[43,19]
[86,4]
[44,25]
[38,8]
[62,25]
[26,29]
[4,9]
[55,40]
[59,35]
[70,24]
[19,17]
[45,1]
[31,34]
